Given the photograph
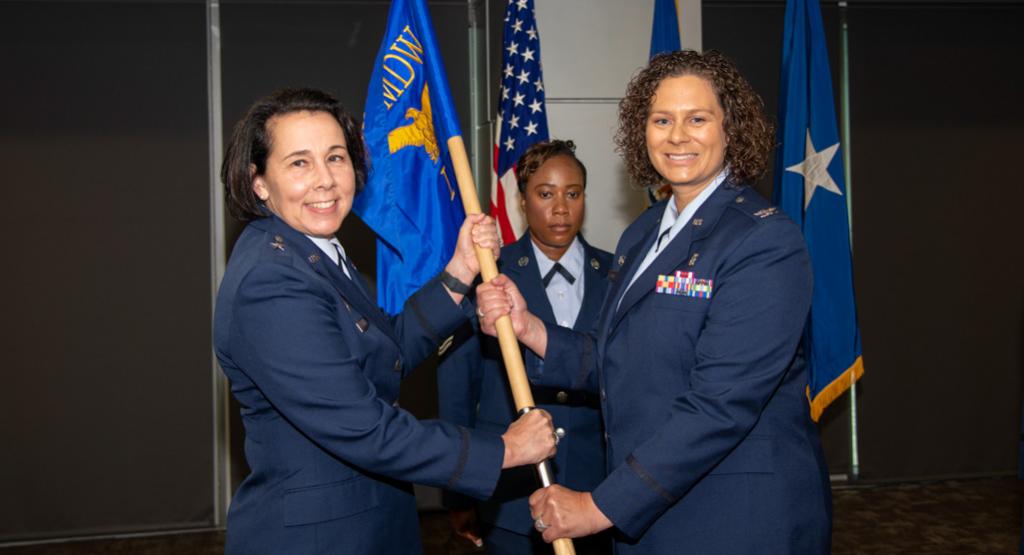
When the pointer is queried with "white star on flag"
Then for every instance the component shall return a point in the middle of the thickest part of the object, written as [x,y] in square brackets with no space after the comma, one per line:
[509,70]
[518,100]
[539,84]
[531,128]
[510,143]
[521,4]
[518,25]
[535,106]
[528,55]
[513,122]
[532,33]
[524,76]
[814,168]
[513,49]
[504,93]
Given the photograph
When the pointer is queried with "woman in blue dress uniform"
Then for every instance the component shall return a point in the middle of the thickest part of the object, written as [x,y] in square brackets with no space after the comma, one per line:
[316,366]
[710,444]
[564,279]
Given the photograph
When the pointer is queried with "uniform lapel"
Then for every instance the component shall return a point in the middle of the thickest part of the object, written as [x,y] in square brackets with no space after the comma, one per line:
[592,290]
[522,268]
[675,254]
[320,263]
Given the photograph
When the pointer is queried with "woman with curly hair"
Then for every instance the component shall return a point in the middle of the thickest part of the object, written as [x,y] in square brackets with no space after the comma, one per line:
[696,357]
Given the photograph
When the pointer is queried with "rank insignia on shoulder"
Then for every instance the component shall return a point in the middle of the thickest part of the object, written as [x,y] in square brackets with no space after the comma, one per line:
[693,260]
[765,212]
[278,243]
[314,258]
[523,261]
[622,260]
[684,284]
[595,264]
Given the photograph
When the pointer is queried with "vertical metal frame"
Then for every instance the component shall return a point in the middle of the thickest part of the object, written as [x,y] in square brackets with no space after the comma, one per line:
[221,446]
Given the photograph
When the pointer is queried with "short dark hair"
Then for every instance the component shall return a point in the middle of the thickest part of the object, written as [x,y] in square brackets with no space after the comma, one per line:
[251,142]
[541,152]
[751,136]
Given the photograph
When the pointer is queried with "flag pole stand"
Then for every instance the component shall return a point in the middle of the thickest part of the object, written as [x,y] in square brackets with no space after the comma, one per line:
[844,76]
[514,366]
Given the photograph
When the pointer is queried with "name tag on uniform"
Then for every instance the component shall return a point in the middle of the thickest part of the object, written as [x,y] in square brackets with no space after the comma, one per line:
[684,284]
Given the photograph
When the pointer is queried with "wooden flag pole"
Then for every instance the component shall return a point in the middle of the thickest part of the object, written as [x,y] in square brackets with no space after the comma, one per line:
[506,335]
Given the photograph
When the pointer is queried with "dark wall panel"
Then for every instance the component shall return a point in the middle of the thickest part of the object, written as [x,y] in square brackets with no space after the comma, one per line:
[106,345]
[939,271]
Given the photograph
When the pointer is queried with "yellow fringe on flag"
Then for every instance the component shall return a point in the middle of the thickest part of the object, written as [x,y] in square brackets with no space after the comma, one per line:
[835,389]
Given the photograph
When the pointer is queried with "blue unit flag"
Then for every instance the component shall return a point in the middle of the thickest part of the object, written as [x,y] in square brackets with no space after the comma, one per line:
[665,30]
[411,198]
[810,187]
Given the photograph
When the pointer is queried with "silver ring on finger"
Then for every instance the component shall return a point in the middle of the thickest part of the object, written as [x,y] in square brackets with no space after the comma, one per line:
[559,433]
[539,525]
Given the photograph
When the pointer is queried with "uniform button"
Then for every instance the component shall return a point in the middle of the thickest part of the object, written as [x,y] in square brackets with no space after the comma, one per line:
[603,396]
[607,439]
[562,397]
[398,364]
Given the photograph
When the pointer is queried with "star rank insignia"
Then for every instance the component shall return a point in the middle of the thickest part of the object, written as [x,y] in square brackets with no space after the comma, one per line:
[278,243]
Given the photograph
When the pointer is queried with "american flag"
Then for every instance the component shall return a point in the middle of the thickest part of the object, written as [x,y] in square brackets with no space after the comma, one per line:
[522,116]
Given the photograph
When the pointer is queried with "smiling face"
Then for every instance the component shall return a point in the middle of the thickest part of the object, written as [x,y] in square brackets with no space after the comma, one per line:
[553,202]
[685,134]
[309,182]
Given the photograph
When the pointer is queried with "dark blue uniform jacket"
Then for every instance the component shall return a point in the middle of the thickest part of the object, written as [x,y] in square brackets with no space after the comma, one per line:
[316,367]
[711,448]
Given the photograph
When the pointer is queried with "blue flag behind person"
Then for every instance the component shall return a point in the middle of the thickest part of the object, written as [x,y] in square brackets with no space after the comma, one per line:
[665,37]
[809,186]
[665,30]
[411,198]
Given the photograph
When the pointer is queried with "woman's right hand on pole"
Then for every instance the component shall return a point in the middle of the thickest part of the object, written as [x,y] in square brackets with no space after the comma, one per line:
[500,297]
[529,440]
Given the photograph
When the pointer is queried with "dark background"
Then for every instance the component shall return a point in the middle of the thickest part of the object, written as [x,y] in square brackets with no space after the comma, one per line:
[106,354]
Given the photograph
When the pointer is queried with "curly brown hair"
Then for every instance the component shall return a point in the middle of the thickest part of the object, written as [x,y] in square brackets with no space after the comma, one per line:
[541,152]
[750,135]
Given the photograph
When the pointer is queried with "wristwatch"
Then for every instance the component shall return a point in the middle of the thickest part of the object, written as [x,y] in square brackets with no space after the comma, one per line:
[453,284]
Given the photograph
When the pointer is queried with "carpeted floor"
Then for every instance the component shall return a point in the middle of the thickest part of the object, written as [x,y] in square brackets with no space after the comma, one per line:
[950,517]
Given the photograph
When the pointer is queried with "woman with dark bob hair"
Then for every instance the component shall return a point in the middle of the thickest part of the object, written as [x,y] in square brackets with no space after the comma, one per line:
[316,366]
[710,444]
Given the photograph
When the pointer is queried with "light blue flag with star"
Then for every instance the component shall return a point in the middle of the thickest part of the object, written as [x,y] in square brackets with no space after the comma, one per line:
[809,186]
[411,197]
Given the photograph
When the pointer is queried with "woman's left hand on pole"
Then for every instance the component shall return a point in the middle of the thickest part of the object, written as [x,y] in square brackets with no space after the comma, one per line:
[566,513]
[478,230]
[499,297]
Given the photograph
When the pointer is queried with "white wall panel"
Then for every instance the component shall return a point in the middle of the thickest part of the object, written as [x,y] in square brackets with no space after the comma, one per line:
[590,49]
